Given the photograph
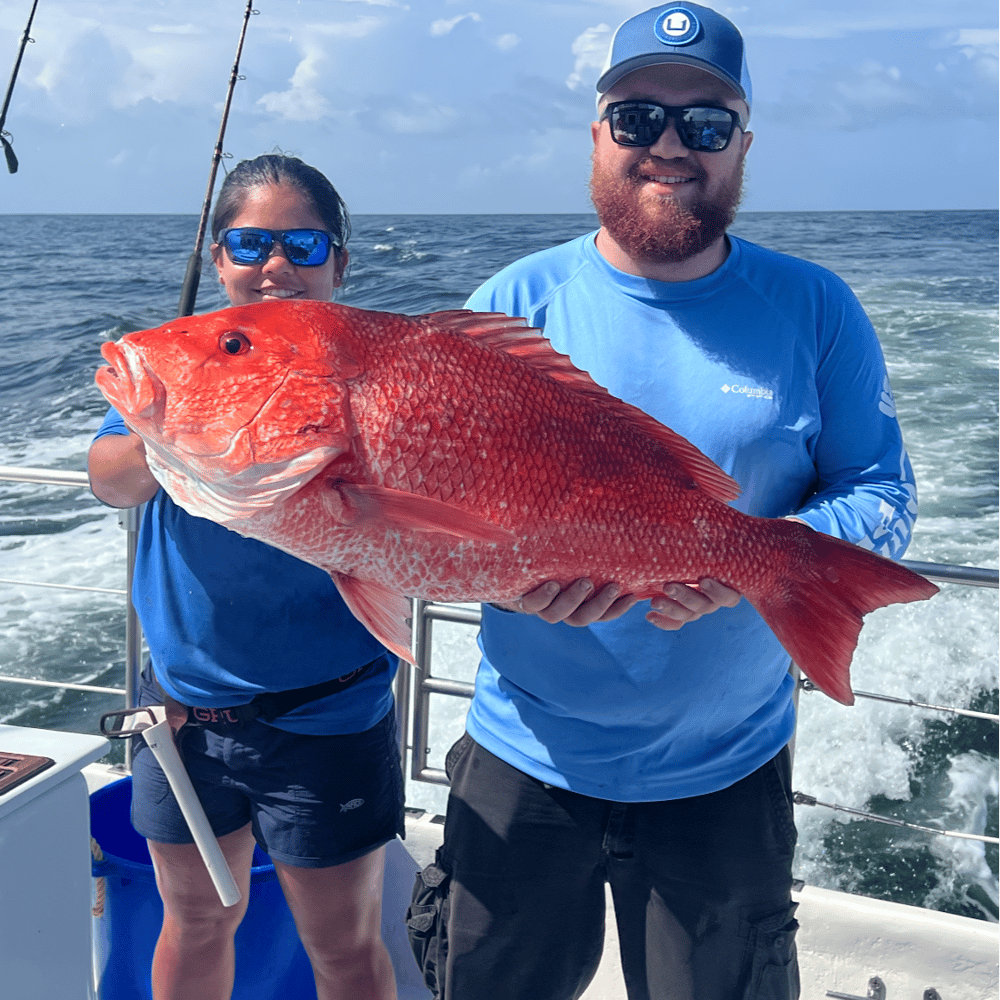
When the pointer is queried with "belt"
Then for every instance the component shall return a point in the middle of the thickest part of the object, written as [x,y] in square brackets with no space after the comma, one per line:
[266,706]
[269,705]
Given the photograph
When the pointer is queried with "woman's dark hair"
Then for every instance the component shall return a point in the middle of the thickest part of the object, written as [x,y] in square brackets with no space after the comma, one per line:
[276,168]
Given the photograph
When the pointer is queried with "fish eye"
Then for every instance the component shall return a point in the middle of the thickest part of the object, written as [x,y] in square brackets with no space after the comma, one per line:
[234,343]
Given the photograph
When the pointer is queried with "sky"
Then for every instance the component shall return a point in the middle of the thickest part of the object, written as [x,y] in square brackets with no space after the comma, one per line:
[481,106]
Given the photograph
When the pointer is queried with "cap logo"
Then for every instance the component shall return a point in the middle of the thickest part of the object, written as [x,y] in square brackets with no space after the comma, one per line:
[676,26]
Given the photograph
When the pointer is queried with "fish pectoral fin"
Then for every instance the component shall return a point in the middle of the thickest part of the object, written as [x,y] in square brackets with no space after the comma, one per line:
[354,503]
[387,615]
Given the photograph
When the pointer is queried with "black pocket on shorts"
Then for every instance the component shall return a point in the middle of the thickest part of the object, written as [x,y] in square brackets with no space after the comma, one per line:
[778,782]
[427,924]
[775,974]
[458,750]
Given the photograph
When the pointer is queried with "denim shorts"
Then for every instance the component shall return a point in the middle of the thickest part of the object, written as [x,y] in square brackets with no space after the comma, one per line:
[314,801]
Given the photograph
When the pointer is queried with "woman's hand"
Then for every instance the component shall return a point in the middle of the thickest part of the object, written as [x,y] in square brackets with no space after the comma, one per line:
[578,605]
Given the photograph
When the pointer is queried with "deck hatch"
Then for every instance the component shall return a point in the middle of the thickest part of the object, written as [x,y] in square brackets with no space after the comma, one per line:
[18,767]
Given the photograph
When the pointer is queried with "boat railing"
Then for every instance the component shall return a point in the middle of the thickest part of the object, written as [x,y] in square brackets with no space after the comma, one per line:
[415,685]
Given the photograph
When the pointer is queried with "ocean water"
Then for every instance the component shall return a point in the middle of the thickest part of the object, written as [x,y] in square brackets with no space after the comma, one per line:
[927,279]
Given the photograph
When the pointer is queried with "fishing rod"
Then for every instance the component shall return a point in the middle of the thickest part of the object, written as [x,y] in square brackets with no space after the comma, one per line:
[8,150]
[189,291]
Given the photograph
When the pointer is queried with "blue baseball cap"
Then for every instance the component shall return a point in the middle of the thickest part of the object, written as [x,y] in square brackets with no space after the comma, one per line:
[684,33]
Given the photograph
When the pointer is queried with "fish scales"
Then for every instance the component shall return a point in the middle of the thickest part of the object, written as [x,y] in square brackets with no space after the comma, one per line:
[458,457]
[554,465]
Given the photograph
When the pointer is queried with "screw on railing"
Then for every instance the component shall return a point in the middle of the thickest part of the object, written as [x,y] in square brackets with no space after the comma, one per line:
[876,991]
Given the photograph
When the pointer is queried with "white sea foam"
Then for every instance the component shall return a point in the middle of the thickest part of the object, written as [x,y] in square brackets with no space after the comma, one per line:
[974,782]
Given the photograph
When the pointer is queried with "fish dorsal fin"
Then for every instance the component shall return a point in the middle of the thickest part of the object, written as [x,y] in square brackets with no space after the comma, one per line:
[513,336]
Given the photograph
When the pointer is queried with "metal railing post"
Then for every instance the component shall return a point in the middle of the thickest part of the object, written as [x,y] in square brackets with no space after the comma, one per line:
[130,518]
[425,684]
[402,694]
[422,634]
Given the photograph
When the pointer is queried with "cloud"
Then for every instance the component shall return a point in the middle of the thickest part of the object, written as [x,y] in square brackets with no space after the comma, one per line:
[841,98]
[422,115]
[590,49]
[80,77]
[520,165]
[854,87]
[980,39]
[117,101]
[979,46]
[303,100]
[444,26]
[809,20]
[870,93]
[527,163]
[303,104]
[83,67]
[175,29]
[360,27]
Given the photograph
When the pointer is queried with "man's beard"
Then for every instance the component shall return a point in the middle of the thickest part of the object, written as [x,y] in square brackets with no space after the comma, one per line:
[674,233]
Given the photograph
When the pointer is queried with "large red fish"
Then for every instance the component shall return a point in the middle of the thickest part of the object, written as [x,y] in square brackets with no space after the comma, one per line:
[457,457]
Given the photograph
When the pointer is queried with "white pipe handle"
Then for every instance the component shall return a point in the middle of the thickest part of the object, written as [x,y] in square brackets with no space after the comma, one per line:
[160,739]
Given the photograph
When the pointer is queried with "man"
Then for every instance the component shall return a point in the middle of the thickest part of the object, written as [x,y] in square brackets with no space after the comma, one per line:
[646,745]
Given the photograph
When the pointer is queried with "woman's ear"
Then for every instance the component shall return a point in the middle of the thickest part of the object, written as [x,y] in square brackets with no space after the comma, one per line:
[343,258]
[216,251]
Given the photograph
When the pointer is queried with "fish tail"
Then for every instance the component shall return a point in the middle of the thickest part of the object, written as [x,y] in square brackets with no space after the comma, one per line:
[817,613]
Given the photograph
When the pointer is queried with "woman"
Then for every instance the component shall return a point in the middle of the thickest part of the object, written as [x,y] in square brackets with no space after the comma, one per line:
[305,761]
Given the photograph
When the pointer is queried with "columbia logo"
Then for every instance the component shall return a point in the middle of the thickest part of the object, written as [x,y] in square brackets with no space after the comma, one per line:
[353,804]
[749,390]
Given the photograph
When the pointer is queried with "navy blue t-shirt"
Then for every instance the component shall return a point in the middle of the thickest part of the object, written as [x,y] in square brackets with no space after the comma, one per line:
[227,617]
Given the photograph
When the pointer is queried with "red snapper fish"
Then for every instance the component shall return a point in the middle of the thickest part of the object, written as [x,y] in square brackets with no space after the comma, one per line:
[457,457]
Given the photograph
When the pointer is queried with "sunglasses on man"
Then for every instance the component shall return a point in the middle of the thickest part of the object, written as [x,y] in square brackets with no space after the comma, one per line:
[249,245]
[702,128]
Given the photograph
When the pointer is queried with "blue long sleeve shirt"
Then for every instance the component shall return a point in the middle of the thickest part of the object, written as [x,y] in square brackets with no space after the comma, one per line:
[770,366]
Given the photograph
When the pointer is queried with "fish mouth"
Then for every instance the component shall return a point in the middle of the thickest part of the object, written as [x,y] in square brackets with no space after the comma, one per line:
[127,382]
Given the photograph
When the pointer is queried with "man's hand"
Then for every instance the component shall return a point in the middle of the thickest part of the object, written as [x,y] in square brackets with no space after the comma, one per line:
[682,604]
[578,605]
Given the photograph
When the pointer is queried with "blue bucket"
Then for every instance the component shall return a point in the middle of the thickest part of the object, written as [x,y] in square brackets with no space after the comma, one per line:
[270,959]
